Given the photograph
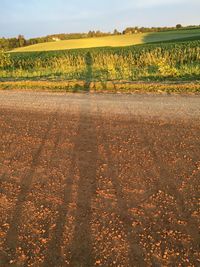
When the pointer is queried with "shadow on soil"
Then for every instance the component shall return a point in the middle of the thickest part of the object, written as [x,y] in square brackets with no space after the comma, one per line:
[87,155]
[11,240]
[136,254]
[84,160]
[53,255]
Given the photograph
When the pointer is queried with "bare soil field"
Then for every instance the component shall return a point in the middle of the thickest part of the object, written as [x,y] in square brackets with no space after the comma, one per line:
[99,180]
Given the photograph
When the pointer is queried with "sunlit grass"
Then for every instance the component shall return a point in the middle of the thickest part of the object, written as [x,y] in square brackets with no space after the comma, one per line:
[106,87]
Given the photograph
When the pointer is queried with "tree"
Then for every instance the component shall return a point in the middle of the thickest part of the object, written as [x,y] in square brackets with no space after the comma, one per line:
[21,40]
[4,44]
[90,34]
[116,32]
[178,26]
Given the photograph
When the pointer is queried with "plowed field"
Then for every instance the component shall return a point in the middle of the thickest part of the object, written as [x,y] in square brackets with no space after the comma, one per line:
[99,180]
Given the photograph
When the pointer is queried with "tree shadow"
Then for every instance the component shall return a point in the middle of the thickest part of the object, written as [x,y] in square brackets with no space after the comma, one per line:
[86,157]
[53,255]
[167,181]
[11,240]
[135,253]
[88,73]
[172,37]
[155,77]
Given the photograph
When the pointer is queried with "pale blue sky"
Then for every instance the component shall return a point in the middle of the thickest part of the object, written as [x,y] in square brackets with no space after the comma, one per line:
[41,17]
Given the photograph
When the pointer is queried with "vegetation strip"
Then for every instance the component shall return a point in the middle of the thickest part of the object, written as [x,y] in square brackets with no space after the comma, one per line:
[99,87]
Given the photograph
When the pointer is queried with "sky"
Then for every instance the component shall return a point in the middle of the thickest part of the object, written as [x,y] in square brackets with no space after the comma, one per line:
[33,18]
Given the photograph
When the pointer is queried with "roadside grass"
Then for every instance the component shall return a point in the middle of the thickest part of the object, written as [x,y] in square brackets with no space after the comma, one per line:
[104,87]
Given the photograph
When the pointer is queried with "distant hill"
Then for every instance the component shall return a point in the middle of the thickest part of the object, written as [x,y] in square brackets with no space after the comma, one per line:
[115,41]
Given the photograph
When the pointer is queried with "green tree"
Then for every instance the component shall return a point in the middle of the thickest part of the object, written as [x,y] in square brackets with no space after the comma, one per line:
[116,32]
[21,40]
[178,26]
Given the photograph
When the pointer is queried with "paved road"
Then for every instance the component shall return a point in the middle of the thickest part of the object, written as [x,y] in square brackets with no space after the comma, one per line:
[99,180]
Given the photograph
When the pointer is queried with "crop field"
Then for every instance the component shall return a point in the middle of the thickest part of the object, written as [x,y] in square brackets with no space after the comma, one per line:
[95,180]
[149,62]
[114,41]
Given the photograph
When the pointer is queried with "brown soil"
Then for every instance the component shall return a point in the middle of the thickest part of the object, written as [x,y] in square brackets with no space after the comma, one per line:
[99,180]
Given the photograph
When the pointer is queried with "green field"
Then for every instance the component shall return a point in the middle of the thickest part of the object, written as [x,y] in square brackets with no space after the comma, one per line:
[175,58]
[149,62]
[114,41]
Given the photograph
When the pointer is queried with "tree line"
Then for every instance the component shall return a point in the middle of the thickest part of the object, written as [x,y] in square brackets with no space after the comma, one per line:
[20,41]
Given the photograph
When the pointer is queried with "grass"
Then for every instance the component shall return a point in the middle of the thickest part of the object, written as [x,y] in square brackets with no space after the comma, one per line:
[103,87]
[114,41]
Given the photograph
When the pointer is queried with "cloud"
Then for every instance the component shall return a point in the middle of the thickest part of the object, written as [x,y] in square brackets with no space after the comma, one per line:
[156,3]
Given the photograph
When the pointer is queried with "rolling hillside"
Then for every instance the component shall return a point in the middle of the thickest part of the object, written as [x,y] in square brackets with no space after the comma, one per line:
[114,41]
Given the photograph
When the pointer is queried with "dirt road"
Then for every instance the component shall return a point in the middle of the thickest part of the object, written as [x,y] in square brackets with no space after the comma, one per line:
[99,180]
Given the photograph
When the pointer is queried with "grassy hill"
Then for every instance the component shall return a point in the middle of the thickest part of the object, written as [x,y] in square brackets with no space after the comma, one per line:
[114,41]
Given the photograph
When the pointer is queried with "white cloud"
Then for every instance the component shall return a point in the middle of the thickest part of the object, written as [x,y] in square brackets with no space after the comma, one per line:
[152,3]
